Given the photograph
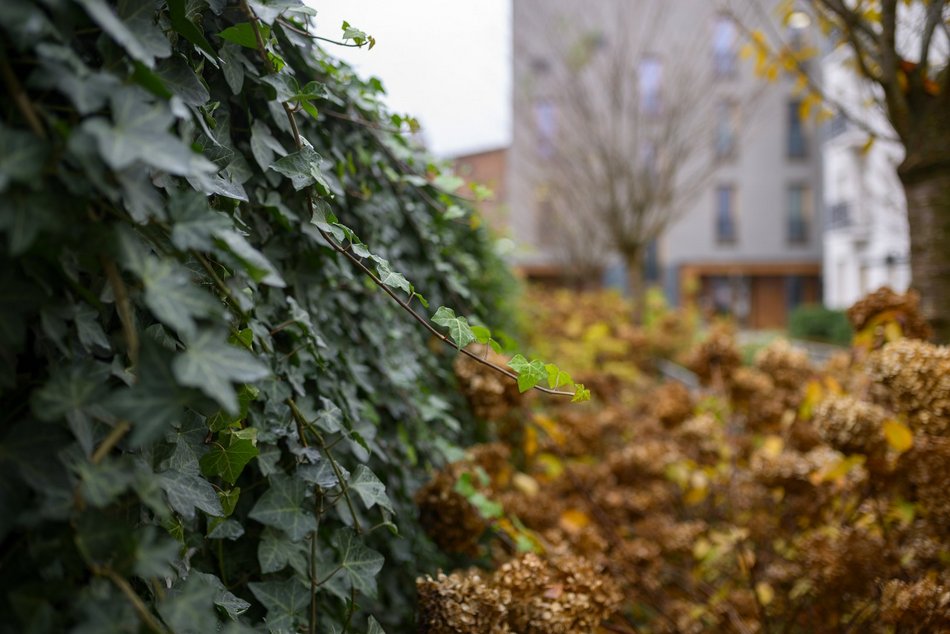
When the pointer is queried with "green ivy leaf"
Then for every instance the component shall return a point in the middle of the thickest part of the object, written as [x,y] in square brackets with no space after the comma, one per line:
[459,331]
[259,267]
[210,365]
[177,11]
[173,298]
[359,564]
[195,223]
[22,158]
[557,377]
[286,603]
[188,492]
[282,507]
[391,278]
[243,34]
[301,167]
[530,373]
[106,17]
[228,456]
[370,488]
[275,552]
[139,131]
[581,394]
[189,607]
[232,605]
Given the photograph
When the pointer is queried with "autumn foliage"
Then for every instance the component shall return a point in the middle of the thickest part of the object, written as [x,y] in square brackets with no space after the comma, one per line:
[781,496]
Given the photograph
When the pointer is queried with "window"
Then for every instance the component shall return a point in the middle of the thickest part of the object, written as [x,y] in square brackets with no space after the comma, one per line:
[545,124]
[725,214]
[724,46]
[727,121]
[796,132]
[798,214]
[794,291]
[650,77]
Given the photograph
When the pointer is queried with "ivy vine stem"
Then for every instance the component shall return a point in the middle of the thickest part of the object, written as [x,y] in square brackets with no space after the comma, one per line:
[20,97]
[124,308]
[123,585]
[262,52]
[302,425]
[118,432]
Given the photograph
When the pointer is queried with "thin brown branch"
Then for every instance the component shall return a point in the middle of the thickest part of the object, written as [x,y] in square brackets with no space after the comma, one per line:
[124,308]
[118,433]
[147,618]
[20,97]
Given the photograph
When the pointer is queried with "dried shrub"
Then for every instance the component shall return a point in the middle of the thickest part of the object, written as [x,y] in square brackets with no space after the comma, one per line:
[718,356]
[529,595]
[915,377]
[883,305]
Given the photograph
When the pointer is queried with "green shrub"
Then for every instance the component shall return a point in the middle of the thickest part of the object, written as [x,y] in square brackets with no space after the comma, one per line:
[210,417]
[818,323]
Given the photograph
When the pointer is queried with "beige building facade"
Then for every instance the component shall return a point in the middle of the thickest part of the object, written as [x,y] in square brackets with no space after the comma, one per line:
[746,232]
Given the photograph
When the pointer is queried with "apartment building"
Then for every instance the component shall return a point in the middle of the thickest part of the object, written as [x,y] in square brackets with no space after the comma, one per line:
[746,234]
[866,240]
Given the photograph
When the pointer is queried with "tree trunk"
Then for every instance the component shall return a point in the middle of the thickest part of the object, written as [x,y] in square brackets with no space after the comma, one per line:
[636,284]
[928,214]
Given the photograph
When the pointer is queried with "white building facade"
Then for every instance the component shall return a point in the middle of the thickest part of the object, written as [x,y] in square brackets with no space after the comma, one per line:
[866,239]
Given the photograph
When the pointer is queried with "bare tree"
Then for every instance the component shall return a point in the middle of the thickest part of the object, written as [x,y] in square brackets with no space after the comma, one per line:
[626,130]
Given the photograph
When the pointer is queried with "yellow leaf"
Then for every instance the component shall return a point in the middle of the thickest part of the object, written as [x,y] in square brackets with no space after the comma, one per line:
[475,221]
[695,496]
[526,484]
[551,464]
[892,331]
[773,446]
[868,144]
[813,395]
[771,73]
[530,441]
[765,592]
[574,521]
[837,470]
[746,51]
[898,435]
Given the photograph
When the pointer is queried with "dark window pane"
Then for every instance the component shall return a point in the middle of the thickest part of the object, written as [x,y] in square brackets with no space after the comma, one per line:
[796,132]
[724,47]
[725,215]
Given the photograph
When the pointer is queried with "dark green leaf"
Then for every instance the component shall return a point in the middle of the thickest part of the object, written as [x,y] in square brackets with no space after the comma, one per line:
[300,167]
[173,297]
[210,364]
[187,29]
[286,603]
[281,506]
[189,492]
[228,456]
[359,564]
[243,34]
[22,158]
[370,489]
[275,552]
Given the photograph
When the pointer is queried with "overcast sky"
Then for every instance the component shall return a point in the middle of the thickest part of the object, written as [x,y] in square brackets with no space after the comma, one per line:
[447,62]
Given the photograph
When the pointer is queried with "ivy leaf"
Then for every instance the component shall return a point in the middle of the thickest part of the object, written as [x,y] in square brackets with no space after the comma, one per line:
[359,563]
[275,552]
[301,167]
[179,78]
[370,488]
[210,365]
[448,182]
[106,17]
[529,373]
[155,401]
[281,506]
[391,278]
[173,298]
[22,158]
[286,603]
[189,492]
[557,377]
[187,29]
[264,145]
[243,34]
[459,330]
[139,131]
[195,223]
[581,394]
[232,605]
[258,266]
[228,460]
[189,608]
[139,17]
